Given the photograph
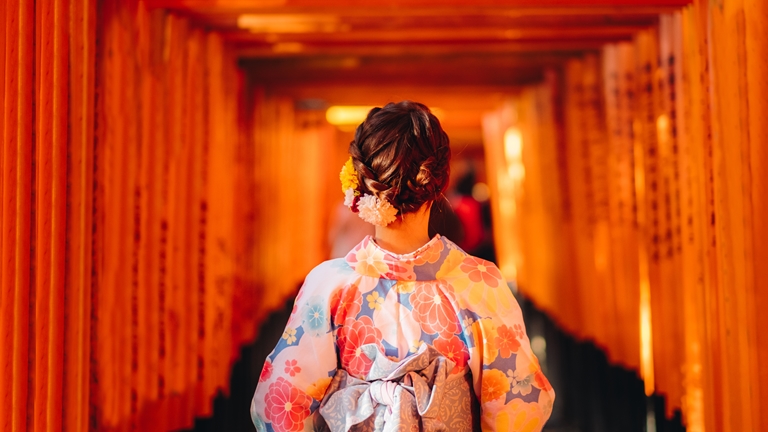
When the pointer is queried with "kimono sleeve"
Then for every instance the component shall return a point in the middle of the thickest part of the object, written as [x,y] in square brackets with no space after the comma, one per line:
[514,393]
[300,368]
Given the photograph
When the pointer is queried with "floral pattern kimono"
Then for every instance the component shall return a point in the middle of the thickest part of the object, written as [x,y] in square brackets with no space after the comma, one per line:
[431,340]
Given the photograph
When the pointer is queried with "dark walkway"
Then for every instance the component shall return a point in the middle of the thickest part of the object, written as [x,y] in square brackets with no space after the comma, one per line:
[232,414]
[591,395]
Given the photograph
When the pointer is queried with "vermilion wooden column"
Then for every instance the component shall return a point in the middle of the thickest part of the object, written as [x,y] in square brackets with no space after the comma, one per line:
[120,132]
[755,20]
[80,216]
[15,309]
[619,89]
[49,214]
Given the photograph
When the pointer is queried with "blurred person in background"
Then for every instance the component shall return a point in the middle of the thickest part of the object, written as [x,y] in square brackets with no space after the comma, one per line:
[469,202]
[468,211]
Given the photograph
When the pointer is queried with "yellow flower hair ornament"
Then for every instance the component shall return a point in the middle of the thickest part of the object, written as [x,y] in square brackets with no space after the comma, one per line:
[348,177]
[370,208]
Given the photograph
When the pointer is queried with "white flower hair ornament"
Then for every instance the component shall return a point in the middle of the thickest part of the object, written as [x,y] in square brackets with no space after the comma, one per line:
[370,208]
[376,211]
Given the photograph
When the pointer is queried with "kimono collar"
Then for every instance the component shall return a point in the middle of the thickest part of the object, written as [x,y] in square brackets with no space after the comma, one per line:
[439,255]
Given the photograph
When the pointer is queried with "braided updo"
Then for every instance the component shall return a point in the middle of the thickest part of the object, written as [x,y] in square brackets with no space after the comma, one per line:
[402,155]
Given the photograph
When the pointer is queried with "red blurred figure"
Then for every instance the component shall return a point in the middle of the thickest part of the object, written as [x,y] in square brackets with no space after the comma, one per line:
[469,212]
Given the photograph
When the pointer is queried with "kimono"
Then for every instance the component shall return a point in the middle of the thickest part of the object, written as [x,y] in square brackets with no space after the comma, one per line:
[377,341]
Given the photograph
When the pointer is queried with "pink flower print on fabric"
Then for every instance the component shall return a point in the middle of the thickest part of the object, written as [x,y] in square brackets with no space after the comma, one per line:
[453,349]
[352,336]
[286,406]
[345,304]
[434,310]
[400,271]
[296,302]
[518,329]
[266,371]
[291,367]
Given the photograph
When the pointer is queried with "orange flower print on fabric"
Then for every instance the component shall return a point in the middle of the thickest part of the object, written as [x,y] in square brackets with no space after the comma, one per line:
[481,271]
[454,350]
[317,389]
[345,304]
[370,262]
[266,371]
[434,310]
[484,333]
[515,416]
[352,336]
[507,341]
[495,385]
[524,416]
[431,255]
[291,367]
[473,284]
[286,407]
[541,381]
[454,258]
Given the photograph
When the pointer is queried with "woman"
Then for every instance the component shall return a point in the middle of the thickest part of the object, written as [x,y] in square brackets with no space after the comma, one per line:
[405,332]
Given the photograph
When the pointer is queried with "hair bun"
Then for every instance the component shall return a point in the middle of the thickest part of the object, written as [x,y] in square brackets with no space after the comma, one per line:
[402,154]
[425,171]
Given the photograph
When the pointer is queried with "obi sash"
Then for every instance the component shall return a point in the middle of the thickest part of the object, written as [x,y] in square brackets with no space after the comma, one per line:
[418,393]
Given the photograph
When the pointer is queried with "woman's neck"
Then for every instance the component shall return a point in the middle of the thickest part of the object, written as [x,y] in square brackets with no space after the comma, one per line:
[408,233]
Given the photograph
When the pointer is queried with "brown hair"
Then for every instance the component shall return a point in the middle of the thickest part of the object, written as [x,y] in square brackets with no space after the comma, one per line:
[401,154]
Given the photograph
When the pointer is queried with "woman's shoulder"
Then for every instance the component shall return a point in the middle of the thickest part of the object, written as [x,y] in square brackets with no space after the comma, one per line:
[328,275]
[332,266]
[459,264]
[477,284]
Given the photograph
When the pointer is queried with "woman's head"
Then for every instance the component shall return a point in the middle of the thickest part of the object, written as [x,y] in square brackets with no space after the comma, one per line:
[402,154]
